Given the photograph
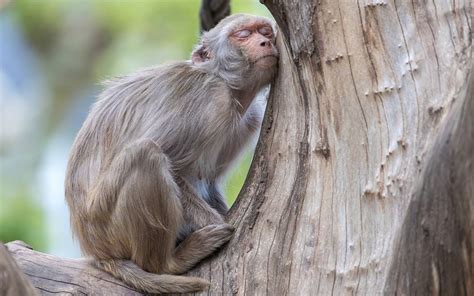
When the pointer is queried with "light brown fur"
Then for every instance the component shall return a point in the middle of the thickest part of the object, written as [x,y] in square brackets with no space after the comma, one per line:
[145,169]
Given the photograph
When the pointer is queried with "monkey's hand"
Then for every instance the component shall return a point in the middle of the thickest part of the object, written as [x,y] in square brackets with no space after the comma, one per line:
[214,236]
[201,244]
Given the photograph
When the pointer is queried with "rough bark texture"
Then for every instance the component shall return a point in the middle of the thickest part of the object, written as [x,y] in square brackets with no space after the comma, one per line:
[362,179]
[434,254]
[12,281]
[364,87]
[54,275]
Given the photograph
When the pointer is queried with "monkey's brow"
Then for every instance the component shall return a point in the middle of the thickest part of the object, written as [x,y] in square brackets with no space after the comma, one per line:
[252,26]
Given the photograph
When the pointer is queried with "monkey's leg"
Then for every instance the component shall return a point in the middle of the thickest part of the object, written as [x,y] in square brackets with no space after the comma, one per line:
[197,212]
[216,200]
[135,205]
[138,194]
[212,230]
[147,212]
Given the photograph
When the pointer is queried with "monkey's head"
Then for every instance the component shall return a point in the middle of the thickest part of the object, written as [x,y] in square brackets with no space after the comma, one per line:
[241,50]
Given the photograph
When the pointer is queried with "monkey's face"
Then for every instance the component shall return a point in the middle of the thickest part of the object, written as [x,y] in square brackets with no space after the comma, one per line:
[257,42]
[241,50]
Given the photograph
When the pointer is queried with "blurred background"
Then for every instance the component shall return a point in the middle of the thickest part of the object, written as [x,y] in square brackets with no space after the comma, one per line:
[53,55]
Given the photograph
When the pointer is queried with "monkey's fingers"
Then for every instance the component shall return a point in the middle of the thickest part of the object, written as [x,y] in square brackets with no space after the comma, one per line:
[201,244]
[215,235]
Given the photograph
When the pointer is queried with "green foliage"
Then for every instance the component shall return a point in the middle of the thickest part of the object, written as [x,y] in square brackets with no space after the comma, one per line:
[134,33]
[21,218]
[237,178]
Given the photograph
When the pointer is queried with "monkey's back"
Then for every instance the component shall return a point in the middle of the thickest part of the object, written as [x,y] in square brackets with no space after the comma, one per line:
[159,104]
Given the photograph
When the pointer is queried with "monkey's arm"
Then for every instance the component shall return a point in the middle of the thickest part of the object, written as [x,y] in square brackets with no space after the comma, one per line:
[246,133]
[197,213]
[216,200]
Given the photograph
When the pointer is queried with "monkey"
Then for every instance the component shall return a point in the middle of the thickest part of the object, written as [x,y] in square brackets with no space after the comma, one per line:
[144,176]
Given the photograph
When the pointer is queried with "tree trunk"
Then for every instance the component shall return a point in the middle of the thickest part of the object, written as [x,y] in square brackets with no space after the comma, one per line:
[434,252]
[348,192]
[362,182]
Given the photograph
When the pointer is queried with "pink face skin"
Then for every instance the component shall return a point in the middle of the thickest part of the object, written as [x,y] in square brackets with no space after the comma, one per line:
[256,40]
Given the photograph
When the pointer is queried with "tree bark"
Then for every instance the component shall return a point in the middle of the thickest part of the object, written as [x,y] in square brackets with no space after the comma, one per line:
[362,179]
[333,204]
[55,275]
[12,281]
[434,254]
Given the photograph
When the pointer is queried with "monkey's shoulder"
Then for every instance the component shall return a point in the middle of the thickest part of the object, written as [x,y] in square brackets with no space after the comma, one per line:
[186,76]
[176,80]
[192,85]
[162,74]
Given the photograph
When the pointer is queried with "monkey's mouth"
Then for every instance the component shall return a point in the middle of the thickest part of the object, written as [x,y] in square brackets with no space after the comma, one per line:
[266,61]
[267,56]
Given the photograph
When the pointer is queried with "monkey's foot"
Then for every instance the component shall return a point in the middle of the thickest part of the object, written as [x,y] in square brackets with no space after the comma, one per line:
[214,236]
[201,244]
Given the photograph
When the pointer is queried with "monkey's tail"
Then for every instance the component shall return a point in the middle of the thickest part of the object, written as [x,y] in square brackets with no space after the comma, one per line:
[146,282]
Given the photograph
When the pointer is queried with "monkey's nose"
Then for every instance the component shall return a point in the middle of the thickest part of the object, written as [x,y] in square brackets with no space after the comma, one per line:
[265,43]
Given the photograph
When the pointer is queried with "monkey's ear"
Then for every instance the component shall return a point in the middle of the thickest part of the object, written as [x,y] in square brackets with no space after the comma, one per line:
[201,54]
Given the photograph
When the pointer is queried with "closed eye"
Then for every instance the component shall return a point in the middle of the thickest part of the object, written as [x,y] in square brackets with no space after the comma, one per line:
[266,31]
[242,33]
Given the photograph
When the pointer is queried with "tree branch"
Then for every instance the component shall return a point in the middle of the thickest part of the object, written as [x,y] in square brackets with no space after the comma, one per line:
[52,274]
[212,12]
[12,280]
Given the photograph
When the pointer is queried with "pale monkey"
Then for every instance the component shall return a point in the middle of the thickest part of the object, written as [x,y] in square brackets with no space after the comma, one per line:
[143,178]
